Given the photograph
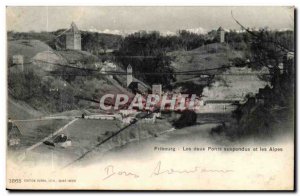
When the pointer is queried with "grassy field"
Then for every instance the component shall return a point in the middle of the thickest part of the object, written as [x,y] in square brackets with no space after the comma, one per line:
[83,133]
[20,110]
[86,134]
[235,87]
[34,131]
[206,57]
[145,130]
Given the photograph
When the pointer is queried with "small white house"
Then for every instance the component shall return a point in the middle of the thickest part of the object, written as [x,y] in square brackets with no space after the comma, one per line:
[127,112]
[18,59]
[157,89]
[108,67]
[127,120]
[290,55]
[151,118]
[66,144]
[101,117]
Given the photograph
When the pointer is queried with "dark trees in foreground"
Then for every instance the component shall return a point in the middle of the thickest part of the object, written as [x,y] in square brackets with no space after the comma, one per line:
[187,118]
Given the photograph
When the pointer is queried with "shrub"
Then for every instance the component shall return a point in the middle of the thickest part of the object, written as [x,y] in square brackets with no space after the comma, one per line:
[187,118]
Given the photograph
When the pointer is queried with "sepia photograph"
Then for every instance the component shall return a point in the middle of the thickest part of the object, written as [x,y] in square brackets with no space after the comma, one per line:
[150,98]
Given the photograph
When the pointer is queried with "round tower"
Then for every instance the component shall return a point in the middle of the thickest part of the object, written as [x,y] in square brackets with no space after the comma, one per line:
[221,35]
[129,75]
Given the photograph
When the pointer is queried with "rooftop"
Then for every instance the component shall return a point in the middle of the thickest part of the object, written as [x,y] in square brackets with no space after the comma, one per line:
[74,28]
[220,29]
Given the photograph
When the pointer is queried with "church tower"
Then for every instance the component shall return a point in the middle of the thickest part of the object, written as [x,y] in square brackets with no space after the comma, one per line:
[73,38]
[129,75]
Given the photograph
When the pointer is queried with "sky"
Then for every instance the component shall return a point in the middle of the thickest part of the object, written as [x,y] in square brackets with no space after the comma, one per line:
[120,20]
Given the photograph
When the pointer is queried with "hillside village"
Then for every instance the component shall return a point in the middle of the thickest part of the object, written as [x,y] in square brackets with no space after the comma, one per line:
[60,80]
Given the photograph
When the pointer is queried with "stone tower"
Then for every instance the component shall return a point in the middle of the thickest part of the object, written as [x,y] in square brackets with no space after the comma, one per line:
[73,38]
[129,75]
[221,35]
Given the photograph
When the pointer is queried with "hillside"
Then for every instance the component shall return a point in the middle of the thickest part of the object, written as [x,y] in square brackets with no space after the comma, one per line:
[91,41]
[235,84]
[50,83]
[20,110]
[205,57]
[27,48]
[208,56]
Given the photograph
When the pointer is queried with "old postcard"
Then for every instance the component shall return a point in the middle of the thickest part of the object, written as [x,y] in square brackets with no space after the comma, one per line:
[150,98]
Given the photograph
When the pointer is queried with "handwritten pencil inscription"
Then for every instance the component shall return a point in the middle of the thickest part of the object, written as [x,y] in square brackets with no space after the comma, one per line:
[110,171]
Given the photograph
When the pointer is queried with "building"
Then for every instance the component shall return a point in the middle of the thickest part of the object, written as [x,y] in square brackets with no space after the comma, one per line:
[127,120]
[289,65]
[138,88]
[108,67]
[100,117]
[265,95]
[290,55]
[281,68]
[127,112]
[145,117]
[135,85]
[18,60]
[217,106]
[129,75]
[14,135]
[73,38]
[157,89]
[221,35]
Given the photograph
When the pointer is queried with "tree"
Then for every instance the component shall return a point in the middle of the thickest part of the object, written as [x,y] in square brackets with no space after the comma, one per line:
[145,52]
[269,49]
[187,118]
